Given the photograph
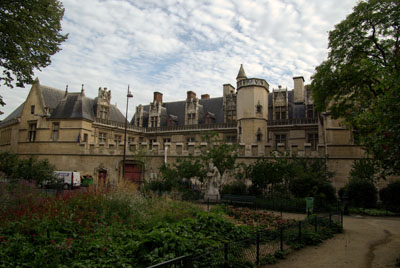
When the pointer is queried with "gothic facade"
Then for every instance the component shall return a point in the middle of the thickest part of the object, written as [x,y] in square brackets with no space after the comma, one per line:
[76,132]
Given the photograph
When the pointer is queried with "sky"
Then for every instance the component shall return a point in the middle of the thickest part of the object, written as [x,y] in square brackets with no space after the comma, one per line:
[173,46]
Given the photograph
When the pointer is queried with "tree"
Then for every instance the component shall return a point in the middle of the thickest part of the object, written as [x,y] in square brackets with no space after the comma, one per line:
[359,81]
[29,35]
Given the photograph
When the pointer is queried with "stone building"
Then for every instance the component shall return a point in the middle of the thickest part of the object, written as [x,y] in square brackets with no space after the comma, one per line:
[76,132]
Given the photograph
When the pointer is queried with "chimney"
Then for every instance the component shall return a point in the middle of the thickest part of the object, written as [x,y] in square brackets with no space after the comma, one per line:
[191,95]
[157,97]
[205,96]
[298,89]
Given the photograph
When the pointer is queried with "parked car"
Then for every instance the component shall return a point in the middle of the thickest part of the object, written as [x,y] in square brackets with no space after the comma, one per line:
[65,179]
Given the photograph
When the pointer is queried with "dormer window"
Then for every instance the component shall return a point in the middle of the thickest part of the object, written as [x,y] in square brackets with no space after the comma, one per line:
[153,121]
[191,118]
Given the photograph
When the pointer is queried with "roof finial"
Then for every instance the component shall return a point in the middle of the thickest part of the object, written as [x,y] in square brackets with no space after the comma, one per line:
[241,75]
[66,90]
[83,91]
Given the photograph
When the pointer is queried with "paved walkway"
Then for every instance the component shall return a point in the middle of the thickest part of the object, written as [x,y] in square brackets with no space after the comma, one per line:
[367,242]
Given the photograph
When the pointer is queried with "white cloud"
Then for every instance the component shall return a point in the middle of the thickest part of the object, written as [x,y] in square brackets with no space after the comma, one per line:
[177,45]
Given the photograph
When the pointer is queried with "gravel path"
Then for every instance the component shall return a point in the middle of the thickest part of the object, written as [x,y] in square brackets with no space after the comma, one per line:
[367,242]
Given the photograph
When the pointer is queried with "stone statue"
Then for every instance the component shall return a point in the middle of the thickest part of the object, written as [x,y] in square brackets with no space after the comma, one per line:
[213,181]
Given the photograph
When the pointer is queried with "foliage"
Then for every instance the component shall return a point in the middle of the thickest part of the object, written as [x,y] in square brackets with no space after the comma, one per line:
[8,163]
[264,173]
[105,229]
[361,193]
[238,187]
[390,196]
[223,155]
[30,36]
[366,169]
[30,169]
[38,171]
[297,177]
[359,81]
[372,212]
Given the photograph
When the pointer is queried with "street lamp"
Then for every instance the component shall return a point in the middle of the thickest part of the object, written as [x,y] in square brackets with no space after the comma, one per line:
[128,95]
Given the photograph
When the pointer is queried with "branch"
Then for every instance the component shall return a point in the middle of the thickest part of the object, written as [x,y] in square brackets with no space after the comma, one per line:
[374,39]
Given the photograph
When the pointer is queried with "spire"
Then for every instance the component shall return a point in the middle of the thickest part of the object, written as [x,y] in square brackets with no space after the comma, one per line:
[241,75]
[83,90]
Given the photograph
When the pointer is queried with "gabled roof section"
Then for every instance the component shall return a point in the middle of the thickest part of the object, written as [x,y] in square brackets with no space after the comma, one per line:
[51,96]
[15,114]
[74,106]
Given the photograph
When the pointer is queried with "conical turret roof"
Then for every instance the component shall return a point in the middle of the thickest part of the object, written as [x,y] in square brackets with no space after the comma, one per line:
[241,74]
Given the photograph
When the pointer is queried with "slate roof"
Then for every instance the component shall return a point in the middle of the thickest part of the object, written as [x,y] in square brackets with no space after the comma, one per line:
[177,110]
[69,106]
[15,114]
[76,106]
[51,96]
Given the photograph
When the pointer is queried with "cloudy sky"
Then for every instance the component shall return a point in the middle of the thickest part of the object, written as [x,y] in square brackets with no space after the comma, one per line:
[173,46]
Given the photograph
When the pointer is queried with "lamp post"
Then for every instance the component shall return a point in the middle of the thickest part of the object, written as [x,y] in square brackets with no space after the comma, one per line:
[128,95]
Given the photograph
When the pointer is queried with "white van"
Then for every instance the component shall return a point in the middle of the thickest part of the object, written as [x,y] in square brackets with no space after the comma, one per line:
[68,178]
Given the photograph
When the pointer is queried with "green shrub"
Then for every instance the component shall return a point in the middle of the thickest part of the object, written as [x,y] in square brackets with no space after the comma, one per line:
[390,196]
[237,187]
[361,193]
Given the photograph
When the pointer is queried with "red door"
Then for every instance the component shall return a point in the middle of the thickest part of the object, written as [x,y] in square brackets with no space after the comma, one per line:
[133,173]
[102,176]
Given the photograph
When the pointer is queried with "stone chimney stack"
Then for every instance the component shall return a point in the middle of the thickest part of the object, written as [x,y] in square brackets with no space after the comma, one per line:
[298,89]
[157,97]
[191,95]
[205,96]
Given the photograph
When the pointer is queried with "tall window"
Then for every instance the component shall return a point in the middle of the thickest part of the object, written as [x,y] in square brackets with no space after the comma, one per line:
[131,139]
[151,143]
[102,137]
[153,121]
[312,138]
[85,137]
[56,129]
[166,140]
[32,132]
[32,109]
[191,118]
[103,112]
[259,135]
[189,140]
[280,138]
[280,113]
[310,111]
[231,138]
[117,140]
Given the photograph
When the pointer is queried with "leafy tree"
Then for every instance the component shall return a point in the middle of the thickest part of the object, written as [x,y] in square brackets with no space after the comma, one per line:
[38,171]
[30,34]
[223,155]
[360,80]
[361,193]
[366,169]
[8,163]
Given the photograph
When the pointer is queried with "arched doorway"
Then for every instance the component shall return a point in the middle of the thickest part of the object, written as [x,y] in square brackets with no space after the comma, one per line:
[102,176]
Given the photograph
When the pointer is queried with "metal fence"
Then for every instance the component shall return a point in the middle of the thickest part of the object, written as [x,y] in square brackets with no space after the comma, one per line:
[263,245]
